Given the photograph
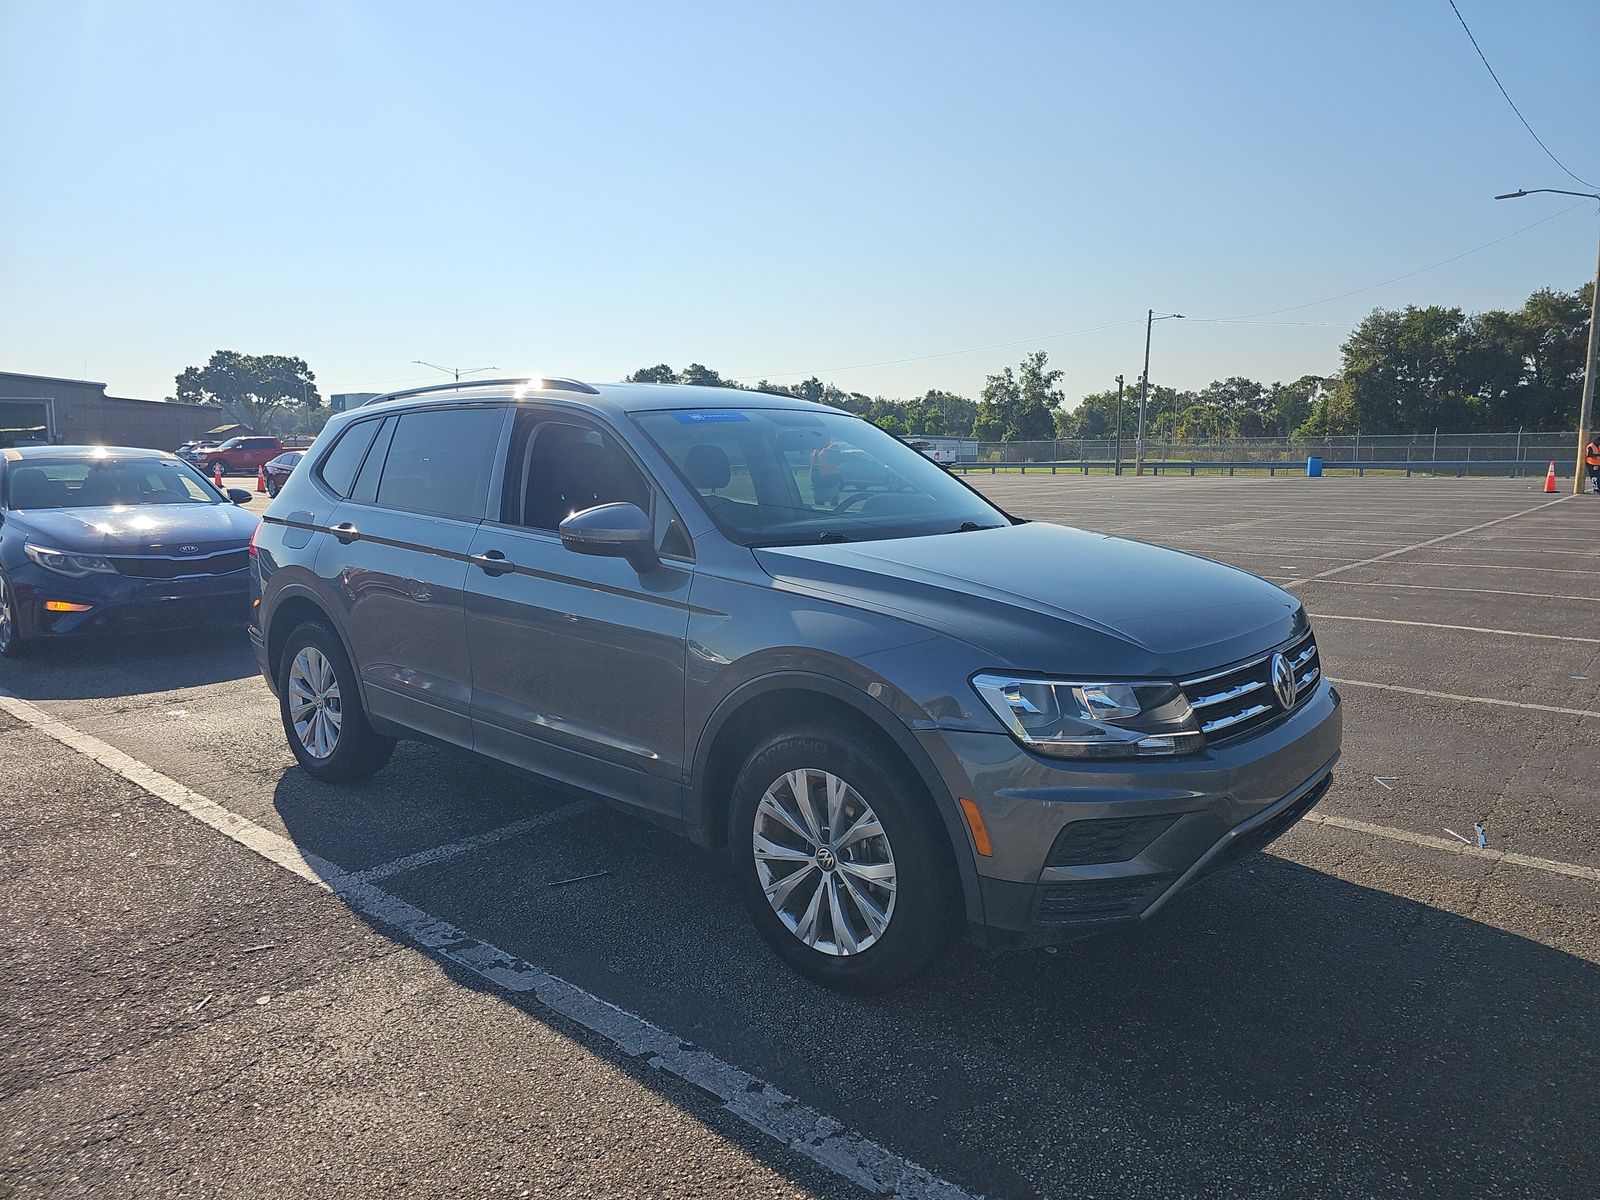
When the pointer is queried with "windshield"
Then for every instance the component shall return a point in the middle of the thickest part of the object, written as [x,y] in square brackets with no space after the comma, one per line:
[104,482]
[785,477]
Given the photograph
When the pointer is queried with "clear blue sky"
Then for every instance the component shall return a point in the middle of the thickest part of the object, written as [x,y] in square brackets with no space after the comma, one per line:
[770,189]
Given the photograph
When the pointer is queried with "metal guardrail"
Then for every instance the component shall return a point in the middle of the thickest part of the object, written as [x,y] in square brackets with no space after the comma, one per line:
[1444,466]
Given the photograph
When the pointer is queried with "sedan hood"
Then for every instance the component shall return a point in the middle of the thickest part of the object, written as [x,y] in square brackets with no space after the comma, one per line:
[1045,598]
[141,529]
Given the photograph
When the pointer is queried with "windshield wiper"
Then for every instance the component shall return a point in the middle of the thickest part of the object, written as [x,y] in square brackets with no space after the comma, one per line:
[831,535]
[972,527]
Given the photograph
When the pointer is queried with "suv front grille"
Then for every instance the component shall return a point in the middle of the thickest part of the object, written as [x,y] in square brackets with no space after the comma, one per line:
[179,568]
[1240,700]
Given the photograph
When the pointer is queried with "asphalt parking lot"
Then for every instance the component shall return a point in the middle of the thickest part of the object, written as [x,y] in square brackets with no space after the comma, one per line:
[223,978]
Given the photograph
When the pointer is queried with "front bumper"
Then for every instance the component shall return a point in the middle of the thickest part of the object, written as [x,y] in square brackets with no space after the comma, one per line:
[120,604]
[1080,847]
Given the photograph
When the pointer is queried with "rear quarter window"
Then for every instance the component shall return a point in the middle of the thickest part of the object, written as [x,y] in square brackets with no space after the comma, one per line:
[339,466]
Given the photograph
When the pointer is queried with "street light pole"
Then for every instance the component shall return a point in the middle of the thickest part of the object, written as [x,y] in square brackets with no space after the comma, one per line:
[1150,319]
[456,371]
[1119,426]
[1591,362]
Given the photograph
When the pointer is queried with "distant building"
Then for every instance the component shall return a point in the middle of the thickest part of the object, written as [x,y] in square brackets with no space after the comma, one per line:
[42,408]
[340,401]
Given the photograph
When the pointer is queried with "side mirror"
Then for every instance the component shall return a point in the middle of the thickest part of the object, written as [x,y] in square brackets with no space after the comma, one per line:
[613,531]
[240,496]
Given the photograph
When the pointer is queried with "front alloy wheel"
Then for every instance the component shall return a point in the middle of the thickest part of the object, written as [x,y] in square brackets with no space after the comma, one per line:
[10,639]
[824,862]
[841,858]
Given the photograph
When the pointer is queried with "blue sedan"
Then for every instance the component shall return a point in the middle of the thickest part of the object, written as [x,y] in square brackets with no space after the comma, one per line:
[102,539]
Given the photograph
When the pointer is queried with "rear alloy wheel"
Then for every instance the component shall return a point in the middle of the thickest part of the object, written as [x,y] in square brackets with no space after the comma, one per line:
[843,865]
[321,707]
[10,635]
[272,488]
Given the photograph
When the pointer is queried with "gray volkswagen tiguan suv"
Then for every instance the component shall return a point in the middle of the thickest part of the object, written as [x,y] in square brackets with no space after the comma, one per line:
[773,627]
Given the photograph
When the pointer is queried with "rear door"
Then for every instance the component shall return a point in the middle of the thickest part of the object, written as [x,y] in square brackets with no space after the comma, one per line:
[578,661]
[395,559]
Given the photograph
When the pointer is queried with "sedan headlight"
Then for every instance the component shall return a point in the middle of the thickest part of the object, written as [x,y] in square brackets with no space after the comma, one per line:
[1070,719]
[74,565]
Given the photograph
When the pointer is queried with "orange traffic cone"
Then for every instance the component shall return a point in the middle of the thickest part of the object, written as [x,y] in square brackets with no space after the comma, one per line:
[261,479]
[216,474]
[1550,477]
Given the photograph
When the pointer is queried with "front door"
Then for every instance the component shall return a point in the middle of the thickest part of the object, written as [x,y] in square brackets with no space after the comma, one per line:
[578,661]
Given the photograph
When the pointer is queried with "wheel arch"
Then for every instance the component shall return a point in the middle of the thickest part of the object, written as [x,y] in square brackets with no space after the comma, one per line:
[762,704]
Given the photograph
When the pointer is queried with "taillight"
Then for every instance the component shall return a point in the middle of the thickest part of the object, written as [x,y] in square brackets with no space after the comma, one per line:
[254,533]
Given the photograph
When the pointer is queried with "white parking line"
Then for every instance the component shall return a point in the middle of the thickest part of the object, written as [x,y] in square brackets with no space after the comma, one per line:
[779,1116]
[1444,537]
[1573,870]
[1495,700]
[1550,637]
[1439,587]
[437,854]
[1433,562]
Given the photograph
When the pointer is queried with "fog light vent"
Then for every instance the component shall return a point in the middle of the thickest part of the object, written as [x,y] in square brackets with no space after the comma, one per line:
[1113,840]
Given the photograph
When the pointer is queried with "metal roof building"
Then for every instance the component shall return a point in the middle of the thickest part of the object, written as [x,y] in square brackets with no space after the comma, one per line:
[43,408]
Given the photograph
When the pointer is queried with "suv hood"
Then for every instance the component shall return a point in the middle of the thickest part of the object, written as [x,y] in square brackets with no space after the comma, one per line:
[140,528]
[1132,608]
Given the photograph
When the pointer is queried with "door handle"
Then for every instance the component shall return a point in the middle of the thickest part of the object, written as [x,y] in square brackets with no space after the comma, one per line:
[494,562]
[346,533]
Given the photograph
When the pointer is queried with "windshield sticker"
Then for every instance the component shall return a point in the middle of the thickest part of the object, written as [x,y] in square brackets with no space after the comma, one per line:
[709,418]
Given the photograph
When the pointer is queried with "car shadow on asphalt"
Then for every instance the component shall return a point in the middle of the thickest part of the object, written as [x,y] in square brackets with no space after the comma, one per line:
[1277,1025]
[105,667]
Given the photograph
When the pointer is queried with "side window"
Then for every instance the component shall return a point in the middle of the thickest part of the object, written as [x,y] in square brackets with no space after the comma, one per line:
[438,461]
[338,467]
[556,468]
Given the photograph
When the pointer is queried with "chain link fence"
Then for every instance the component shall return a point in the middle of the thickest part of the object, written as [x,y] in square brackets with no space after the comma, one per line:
[1418,448]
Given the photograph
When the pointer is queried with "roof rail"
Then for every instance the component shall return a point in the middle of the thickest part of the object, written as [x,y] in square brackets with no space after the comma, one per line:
[543,383]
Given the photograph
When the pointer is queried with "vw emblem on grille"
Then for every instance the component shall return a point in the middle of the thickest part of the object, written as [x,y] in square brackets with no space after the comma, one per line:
[1283,681]
[188,549]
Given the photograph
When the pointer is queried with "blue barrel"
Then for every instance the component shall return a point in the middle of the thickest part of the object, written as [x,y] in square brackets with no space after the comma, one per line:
[1313,468]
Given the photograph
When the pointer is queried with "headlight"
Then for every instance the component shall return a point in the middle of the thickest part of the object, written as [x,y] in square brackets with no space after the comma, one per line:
[62,563]
[1068,719]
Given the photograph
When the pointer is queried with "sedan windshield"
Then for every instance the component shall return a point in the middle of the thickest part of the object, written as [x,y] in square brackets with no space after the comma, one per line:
[787,477]
[103,483]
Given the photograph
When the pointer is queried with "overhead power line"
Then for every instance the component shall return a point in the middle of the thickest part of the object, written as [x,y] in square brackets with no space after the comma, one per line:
[1372,287]
[1512,102]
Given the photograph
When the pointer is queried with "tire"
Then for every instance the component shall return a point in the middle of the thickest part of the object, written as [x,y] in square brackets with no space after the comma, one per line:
[335,742]
[882,904]
[10,634]
[272,488]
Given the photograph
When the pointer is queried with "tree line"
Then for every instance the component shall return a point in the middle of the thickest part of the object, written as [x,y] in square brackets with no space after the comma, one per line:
[1409,370]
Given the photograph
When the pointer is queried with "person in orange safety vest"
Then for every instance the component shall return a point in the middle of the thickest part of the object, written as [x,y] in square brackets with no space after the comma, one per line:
[1591,459]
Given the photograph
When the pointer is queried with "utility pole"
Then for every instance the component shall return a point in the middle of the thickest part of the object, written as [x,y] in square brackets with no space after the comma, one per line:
[1591,362]
[1591,368]
[1150,319]
[1119,426]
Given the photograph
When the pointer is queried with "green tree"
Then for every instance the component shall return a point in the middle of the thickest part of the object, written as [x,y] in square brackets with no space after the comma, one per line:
[660,373]
[252,389]
[704,376]
[1038,397]
[1095,416]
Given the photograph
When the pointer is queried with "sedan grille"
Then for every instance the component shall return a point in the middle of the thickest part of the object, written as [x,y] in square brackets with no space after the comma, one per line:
[1230,704]
[224,563]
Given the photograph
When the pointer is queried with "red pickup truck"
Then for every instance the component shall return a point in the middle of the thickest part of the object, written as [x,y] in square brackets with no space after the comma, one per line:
[240,454]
